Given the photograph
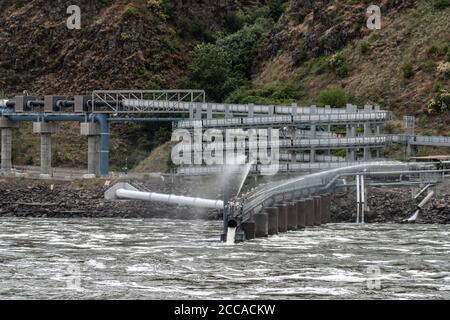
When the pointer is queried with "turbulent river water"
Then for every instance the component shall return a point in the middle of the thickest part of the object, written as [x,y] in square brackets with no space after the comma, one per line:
[174,259]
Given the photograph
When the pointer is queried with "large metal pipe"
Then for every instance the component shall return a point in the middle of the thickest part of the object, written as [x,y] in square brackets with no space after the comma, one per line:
[169,198]
[425,200]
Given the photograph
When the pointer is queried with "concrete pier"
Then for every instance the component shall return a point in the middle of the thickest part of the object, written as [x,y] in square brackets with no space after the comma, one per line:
[292,216]
[323,210]
[282,217]
[272,218]
[309,212]
[261,225]
[45,129]
[249,229]
[327,199]
[301,214]
[6,127]
[92,131]
[317,212]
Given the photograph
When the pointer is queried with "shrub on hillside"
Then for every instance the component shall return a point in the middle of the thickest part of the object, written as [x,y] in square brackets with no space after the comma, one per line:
[364,48]
[271,94]
[211,70]
[300,56]
[444,70]
[408,70]
[337,63]
[242,45]
[440,103]
[441,4]
[334,97]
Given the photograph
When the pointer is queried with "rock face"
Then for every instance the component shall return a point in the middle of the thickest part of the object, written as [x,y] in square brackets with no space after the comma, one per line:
[116,48]
[320,27]
[391,205]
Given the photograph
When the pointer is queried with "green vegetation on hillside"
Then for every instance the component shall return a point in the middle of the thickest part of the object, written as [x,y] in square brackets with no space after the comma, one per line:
[224,66]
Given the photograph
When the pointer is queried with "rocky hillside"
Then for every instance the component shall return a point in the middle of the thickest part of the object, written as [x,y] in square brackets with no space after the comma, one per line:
[265,51]
[317,44]
[122,43]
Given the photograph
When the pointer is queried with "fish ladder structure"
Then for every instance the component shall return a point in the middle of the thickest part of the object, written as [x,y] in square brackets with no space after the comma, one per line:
[292,204]
[312,138]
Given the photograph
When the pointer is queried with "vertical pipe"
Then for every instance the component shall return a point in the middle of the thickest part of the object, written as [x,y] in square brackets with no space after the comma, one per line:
[363,199]
[357,199]
[226,208]
[104,143]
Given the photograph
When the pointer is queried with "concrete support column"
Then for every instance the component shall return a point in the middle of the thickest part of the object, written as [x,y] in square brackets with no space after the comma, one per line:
[261,225]
[313,132]
[312,155]
[92,131]
[45,129]
[309,212]
[301,214]
[46,154]
[282,217]
[6,149]
[272,217]
[351,133]
[93,155]
[292,216]
[367,133]
[249,229]
[317,211]
[6,127]
[323,210]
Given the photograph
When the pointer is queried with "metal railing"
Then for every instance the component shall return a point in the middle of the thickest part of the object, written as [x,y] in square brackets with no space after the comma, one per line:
[285,120]
[325,181]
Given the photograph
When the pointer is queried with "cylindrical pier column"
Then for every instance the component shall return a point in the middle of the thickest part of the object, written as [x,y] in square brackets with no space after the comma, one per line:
[249,229]
[261,225]
[272,217]
[309,212]
[323,210]
[301,214]
[328,208]
[6,149]
[282,217]
[317,212]
[292,216]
